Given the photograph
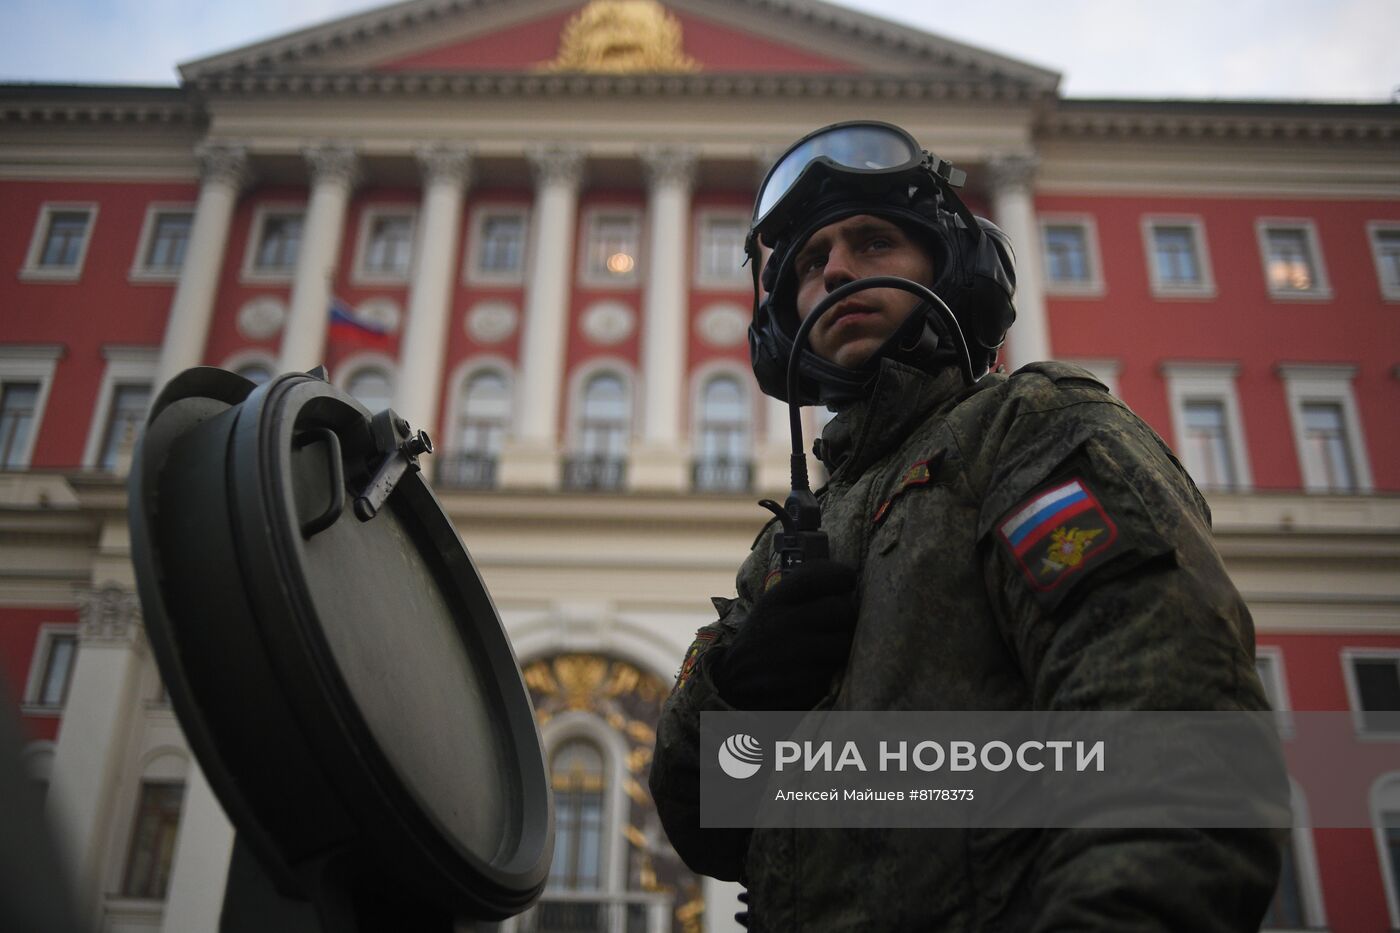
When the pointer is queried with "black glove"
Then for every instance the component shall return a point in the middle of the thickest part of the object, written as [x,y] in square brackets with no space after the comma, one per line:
[794,642]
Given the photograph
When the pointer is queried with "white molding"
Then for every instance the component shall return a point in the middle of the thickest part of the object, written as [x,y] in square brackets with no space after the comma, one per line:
[32,271]
[584,275]
[1389,291]
[250,357]
[28,363]
[579,378]
[467,370]
[1385,797]
[1305,856]
[1321,289]
[1328,383]
[249,272]
[1278,681]
[359,275]
[37,760]
[33,684]
[472,273]
[140,272]
[1205,288]
[1213,382]
[365,359]
[741,280]
[125,366]
[1093,286]
[1348,657]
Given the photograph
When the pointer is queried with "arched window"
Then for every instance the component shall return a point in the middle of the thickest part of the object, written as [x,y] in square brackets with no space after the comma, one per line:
[483,410]
[372,387]
[722,454]
[605,418]
[1385,806]
[256,373]
[576,772]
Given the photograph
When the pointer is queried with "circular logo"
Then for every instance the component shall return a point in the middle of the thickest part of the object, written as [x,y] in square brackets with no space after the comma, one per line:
[740,756]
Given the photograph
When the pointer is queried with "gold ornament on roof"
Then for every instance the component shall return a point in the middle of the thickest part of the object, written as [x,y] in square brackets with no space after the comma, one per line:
[622,37]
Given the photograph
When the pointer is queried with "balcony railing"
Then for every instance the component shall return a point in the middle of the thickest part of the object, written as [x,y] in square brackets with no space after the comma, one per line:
[596,912]
[722,475]
[597,473]
[466,471]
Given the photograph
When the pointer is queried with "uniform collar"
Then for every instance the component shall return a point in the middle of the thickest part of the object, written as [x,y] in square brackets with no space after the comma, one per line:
[901,399]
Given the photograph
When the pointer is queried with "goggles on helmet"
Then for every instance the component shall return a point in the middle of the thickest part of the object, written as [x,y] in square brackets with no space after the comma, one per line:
[865,154]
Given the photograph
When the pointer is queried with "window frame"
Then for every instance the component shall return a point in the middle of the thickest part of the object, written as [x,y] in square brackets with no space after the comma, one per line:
[350,367]
[369,215]
[452,454]
[49,632]
[1328,384]
[589,217]
[1214,382]
[33,270]
[125,366]
[1091,287]
[31,363]
[472,272]
[140,271]
[251,272]
[1374,229]
[1278,677]
[1386,785]
[579,724]
[741,279]
[699,380]
[1205,288]
[1321,289]
[1348,658]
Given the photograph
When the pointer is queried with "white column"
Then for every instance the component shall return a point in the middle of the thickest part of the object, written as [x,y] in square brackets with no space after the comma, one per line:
[446,173]
[531,457]
[661,460]
[223,173]
[333,170]
[91,739]
[199,871]
[1012,179]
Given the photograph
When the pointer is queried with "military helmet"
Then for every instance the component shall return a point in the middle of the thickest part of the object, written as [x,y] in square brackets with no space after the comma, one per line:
[868,167]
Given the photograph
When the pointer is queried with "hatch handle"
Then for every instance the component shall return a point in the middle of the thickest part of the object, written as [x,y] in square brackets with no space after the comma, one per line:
[326,519]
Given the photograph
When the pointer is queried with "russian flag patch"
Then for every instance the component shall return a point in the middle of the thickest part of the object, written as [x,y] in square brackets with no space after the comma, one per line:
[1057,533]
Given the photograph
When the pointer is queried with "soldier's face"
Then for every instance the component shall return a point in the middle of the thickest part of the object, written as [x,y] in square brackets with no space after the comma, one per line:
[857,248]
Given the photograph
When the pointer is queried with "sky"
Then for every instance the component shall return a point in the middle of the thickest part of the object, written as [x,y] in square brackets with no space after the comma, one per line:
[1290,49]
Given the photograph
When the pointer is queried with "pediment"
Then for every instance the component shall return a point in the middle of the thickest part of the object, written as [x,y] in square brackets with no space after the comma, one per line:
[793,37]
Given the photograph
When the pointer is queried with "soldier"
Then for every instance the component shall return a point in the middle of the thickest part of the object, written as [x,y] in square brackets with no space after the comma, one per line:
[1021,542]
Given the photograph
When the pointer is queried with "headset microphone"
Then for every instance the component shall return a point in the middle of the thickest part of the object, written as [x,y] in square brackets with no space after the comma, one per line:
[801,538]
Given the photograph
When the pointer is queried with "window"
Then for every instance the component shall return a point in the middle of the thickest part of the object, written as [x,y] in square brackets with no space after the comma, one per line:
[1207,423]
[51,668]
[612,247]
[274,243]
[1326,428]
[1268,664]
[386,245]
[720,259]
[1373,680]
[153,834]
[605,418]
[498,246]
[26,372]
[1385,248]
[127,411]
[18,401]
[372,387]
[576,774]
[1390,830]
[1292,259]
[722,453]
[1071,255]
[256,373]
[1177,257]
[483,410]
[60,242]
[164,237]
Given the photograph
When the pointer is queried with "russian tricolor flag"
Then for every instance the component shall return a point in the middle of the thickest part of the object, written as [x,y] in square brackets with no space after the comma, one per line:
[1043,514]
[346,328]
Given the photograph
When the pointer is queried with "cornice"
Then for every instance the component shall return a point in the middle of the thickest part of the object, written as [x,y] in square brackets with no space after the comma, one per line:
[514,85]
[1216,120]
[97,105]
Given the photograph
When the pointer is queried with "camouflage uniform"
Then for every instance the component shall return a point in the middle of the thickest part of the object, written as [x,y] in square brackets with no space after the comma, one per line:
[927,479]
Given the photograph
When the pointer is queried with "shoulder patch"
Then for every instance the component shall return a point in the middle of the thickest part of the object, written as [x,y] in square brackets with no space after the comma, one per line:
[920,474]
[1057,533]
[701,642]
